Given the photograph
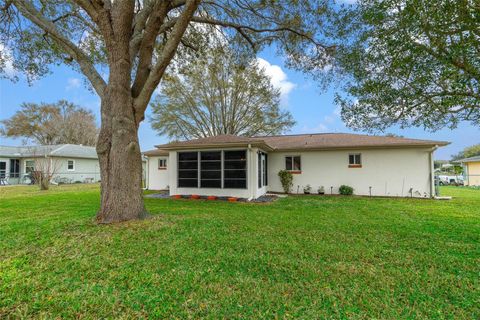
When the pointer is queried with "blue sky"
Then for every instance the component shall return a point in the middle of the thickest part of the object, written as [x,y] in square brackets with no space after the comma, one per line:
[314,110]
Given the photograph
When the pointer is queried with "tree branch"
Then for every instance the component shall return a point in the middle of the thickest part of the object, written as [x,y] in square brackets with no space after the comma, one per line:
[141,102]
[29,11]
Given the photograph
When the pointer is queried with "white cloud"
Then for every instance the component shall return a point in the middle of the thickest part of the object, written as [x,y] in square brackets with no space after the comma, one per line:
[73,83]
[6,54]
[278,78]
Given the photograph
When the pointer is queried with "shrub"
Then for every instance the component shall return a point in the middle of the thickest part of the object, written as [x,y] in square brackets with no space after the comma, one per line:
[286,178]
[345,190]
[307,189]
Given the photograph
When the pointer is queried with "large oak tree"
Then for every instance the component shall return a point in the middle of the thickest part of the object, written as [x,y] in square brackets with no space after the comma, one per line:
[412,63]
[133,43]
[219,93]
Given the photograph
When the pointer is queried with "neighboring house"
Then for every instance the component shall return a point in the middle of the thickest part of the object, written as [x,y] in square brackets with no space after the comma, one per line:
[471,170]
[70,163]
[247,167]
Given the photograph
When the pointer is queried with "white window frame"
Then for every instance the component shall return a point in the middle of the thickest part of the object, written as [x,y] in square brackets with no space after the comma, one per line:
[160,167]
[26,166]
[293,163]
[355,164]
[68,165]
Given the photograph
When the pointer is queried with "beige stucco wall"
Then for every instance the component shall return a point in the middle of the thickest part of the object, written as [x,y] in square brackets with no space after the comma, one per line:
[157,178]
[390,172]
[473,173]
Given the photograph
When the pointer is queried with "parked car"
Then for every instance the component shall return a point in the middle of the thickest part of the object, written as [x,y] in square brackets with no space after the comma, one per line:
[449,180]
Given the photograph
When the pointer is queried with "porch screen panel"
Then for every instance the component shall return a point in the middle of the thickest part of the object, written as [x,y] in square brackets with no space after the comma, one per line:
[235,169]
[211,169]
[188,169]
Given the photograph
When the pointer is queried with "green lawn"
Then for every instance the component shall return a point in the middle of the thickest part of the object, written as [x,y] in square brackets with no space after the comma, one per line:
[300,257]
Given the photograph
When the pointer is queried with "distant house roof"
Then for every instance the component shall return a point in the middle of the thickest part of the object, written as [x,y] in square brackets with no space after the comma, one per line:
[59,150]
[155,152]
[318,141]
[471,159]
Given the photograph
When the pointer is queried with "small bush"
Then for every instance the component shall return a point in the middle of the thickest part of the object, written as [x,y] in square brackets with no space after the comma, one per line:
[345,190]
[307,189]
[78,181]
[286,178]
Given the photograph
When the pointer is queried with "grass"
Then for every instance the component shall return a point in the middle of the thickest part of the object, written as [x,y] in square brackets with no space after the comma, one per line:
[300,257]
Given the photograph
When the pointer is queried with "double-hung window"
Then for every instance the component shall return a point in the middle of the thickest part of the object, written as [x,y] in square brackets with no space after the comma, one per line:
[162,164]
[70,165]
[293,163]
[355,160]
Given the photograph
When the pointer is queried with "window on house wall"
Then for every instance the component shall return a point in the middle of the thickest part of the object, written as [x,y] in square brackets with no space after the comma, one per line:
[262,169]
[354,160]
[235,169]
[29,166]
[70,165]
[14,168]
[293,163]
[211,169]
[162,163]
[188,169]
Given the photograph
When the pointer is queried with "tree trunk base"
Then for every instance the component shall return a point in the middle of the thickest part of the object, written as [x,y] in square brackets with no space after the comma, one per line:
[102,218]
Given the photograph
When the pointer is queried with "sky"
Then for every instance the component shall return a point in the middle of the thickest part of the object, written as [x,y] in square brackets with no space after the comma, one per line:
[314,110]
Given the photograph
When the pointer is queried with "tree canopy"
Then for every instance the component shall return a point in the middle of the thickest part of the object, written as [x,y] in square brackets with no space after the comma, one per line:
[52,123]
[218,94]
[412,63]
[468,152]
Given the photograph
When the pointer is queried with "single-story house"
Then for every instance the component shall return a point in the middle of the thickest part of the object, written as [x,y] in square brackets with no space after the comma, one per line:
[471,170]
[247,167]
[70,163]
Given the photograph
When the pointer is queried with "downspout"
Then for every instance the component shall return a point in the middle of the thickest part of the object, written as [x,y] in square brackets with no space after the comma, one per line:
[147,165]
[432,175]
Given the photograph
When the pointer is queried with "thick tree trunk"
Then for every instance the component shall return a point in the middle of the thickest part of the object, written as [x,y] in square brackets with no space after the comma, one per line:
[119,153]
[120,166]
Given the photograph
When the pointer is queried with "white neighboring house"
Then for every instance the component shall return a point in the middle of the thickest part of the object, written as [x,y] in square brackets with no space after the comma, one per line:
[70,163]
[247,167]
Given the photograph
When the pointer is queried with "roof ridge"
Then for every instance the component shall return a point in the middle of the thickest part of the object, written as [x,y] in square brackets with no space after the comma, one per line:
[299,134]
